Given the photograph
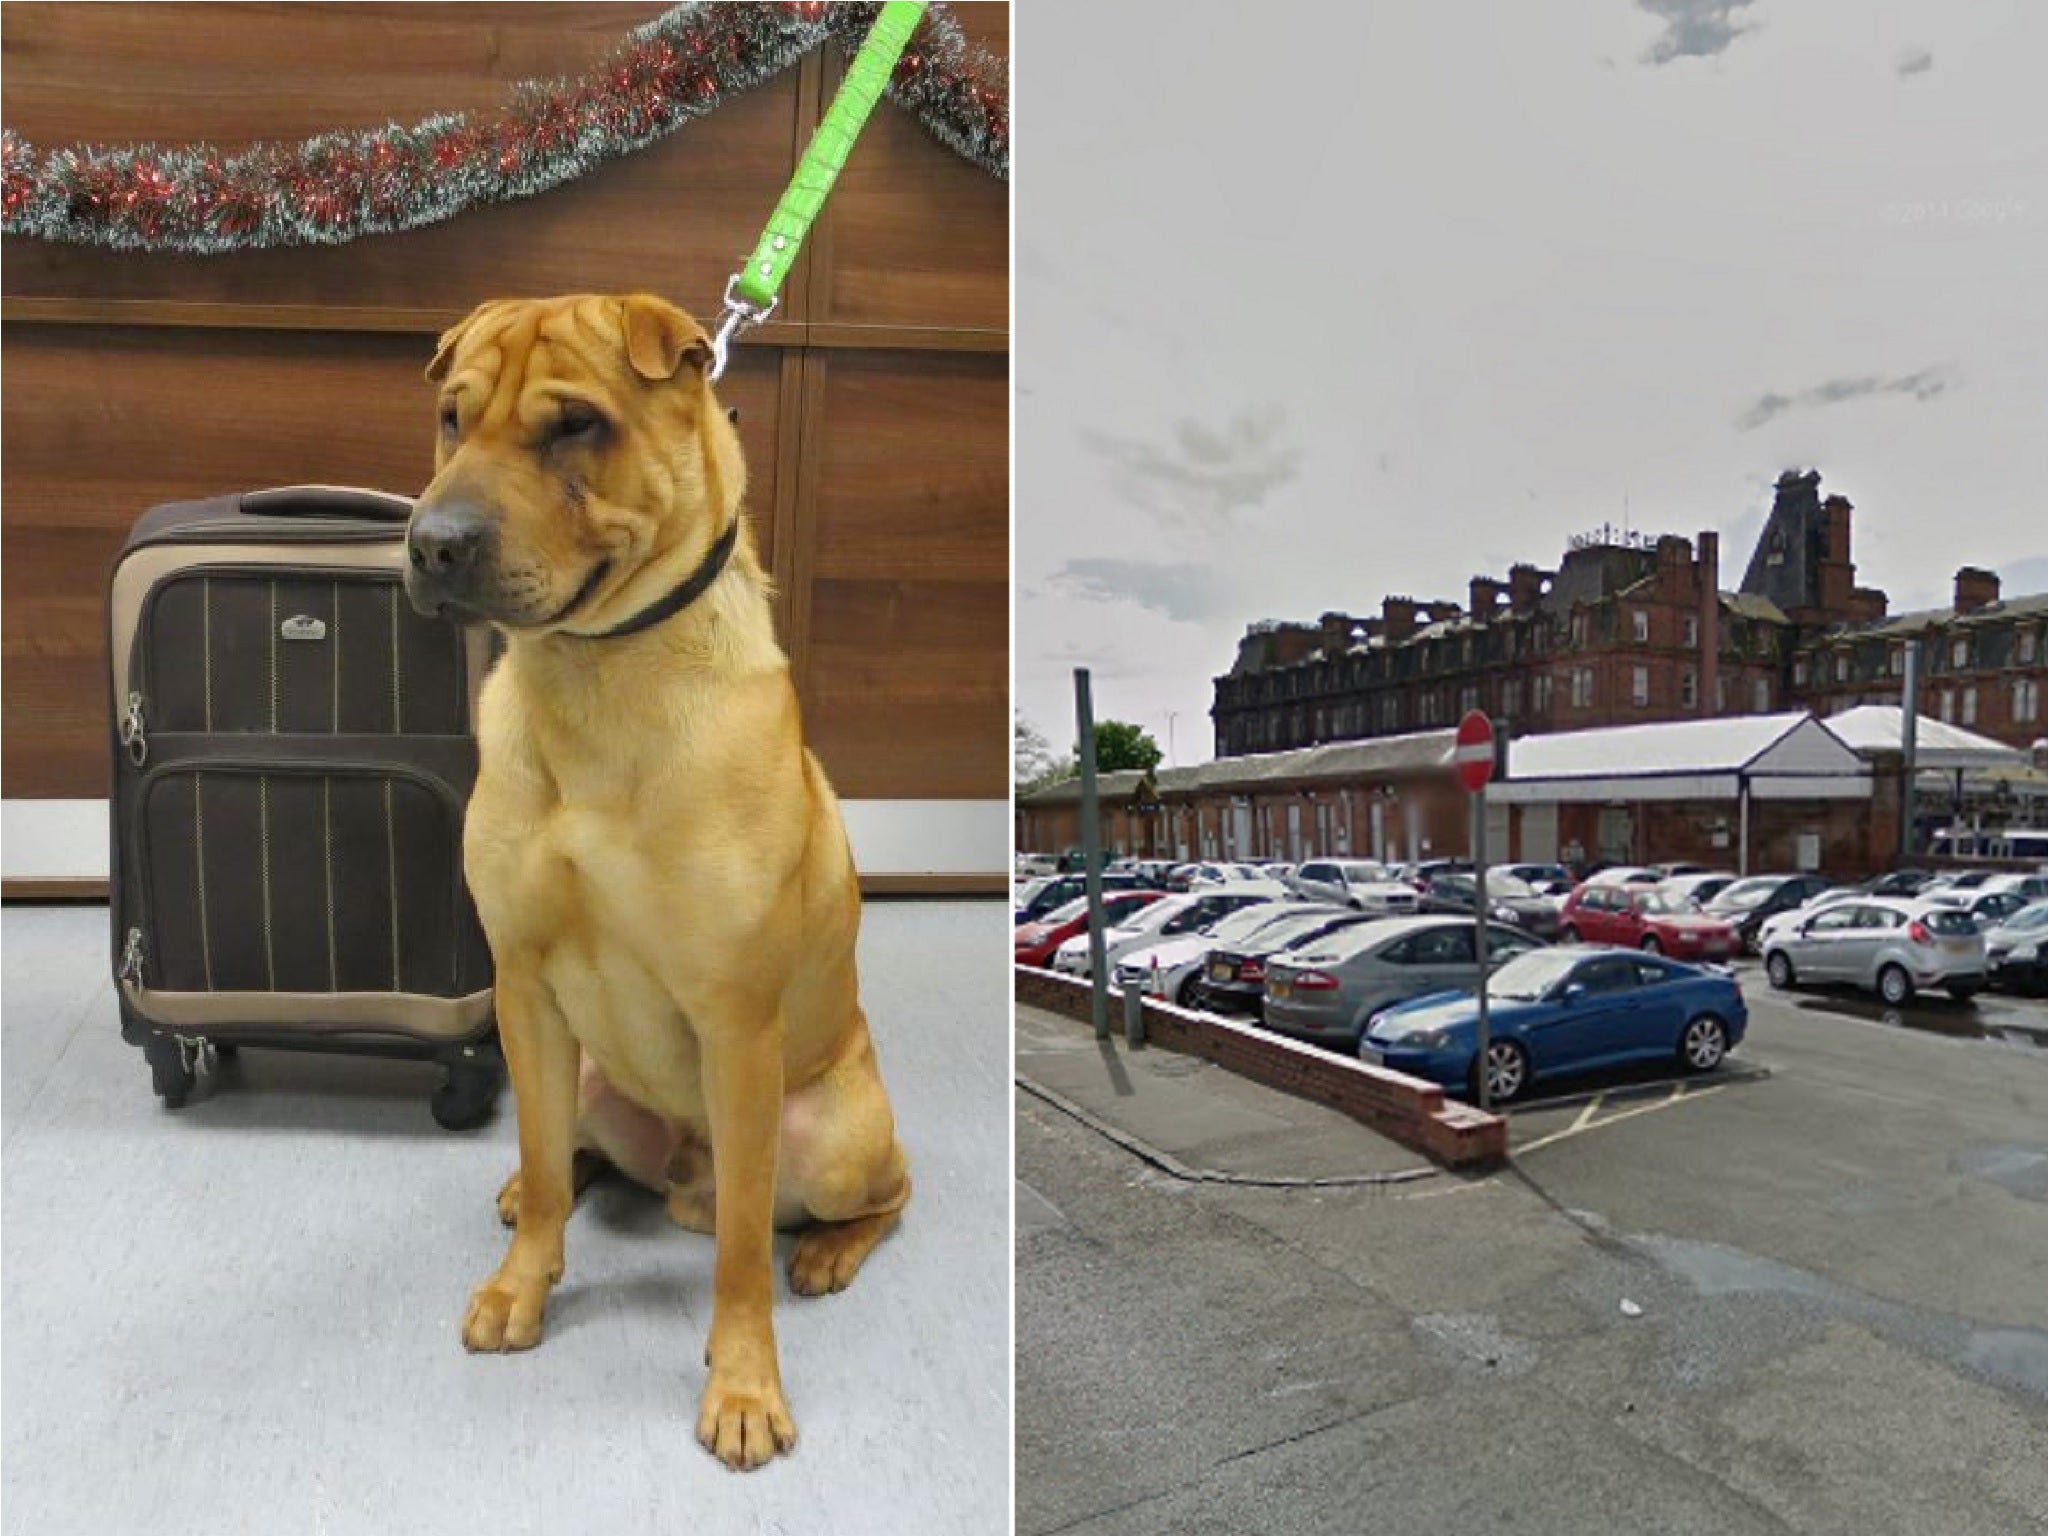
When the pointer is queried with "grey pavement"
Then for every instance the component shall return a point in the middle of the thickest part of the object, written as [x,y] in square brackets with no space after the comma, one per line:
[1835,1270]
[242,1316]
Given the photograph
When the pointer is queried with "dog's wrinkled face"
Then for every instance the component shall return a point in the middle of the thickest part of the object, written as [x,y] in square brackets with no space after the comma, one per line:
[578,441]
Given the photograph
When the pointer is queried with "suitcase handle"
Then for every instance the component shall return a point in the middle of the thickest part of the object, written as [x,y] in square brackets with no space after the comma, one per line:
[327,501]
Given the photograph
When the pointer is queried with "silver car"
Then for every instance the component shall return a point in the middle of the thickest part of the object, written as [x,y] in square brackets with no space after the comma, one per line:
[1884,944]
[1328,988]
[1355,883]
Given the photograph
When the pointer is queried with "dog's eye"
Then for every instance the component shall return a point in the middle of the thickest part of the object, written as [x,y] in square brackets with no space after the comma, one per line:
[577,422]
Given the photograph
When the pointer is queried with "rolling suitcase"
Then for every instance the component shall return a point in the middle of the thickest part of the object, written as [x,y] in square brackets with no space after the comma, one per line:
[293,750]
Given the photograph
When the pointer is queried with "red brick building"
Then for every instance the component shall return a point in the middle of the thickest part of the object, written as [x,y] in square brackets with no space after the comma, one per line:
[1632,629]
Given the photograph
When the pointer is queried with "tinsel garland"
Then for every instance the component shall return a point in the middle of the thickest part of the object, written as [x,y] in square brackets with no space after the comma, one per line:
[340,187]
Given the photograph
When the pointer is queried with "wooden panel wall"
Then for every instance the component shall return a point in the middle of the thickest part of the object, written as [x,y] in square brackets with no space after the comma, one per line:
[874,410]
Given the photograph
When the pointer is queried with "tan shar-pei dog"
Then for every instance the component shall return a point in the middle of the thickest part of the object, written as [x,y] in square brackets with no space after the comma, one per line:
[658,861]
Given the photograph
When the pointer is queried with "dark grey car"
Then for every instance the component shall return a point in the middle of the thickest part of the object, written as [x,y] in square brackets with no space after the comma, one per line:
[1326,989]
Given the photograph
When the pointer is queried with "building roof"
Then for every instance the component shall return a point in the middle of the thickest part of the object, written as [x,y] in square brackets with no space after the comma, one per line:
[1902,625]
[1334,760]
[1873,728]
[1779,757]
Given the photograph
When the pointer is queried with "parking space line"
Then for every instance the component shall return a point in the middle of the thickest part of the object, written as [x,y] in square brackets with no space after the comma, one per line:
[1586,1114]
[1679,1094]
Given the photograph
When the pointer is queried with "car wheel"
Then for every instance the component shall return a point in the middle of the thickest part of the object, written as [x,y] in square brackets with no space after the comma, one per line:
[1507,1072]
[1704,1044]
[1651,946]
[1568,935]
[1894,985]
[1186,994]
[1779,968]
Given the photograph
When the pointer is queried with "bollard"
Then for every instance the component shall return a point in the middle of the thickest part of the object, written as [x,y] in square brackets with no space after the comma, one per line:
[1134,1017]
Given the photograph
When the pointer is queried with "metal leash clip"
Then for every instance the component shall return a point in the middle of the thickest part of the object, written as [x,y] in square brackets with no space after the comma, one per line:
[739,317]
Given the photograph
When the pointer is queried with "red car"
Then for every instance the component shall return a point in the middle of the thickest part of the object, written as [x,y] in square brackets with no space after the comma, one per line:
[1640,919]
[1038,942]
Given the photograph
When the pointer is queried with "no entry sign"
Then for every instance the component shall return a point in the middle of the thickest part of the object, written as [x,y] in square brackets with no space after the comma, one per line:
[1474,752]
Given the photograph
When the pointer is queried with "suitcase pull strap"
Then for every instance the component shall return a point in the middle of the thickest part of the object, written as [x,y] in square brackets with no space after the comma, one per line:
[327,501]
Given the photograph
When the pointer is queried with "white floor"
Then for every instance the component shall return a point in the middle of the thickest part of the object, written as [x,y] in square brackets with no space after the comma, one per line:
[242,1316]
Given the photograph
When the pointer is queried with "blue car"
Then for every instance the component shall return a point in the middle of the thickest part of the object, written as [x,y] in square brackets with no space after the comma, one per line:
[1576,1008]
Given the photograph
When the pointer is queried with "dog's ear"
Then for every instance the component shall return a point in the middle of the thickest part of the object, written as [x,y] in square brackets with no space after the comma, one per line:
[444,353]
[660,338]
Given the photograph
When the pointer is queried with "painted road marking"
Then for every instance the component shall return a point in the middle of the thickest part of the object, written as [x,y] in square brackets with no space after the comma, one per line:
[1679,1095]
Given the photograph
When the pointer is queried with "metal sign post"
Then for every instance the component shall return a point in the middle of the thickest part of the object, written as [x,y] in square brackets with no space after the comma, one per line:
[1091,851]
[1474,754]
[1909,756]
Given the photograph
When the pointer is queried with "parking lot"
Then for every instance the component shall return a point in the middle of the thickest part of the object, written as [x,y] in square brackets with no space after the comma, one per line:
[1808,1292]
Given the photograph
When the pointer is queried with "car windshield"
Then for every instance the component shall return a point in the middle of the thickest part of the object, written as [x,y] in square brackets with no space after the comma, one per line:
[1657,903]
[1243,923]
[1156,915]
[1068,912]
[2030,918]
[1528,976]
[1744,894]
[1296,926]
[1364,874]
[1500,883]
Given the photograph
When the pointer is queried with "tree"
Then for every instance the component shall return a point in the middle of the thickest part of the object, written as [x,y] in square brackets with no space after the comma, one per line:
[1119,745]
[1036,762]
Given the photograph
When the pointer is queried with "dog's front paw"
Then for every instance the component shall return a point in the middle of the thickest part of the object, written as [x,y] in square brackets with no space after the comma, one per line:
[744,1421]
[505,1313]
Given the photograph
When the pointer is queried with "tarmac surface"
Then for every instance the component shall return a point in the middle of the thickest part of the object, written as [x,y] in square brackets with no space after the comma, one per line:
[1806,1294]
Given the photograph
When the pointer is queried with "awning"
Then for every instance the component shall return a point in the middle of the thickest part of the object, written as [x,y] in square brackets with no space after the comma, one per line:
[1776,757]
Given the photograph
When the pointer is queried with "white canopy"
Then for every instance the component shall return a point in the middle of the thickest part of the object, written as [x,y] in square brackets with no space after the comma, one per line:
[1777,757]
[1874,728]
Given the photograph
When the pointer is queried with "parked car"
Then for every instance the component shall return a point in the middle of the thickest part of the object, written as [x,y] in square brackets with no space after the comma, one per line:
[1176,915]
[1819,901]
[1644,919]
[1554,1012]
[1750,900]
[1324,989]
[1899,882]
[2032,887]
[2016,951]
[1061,889]
[1985,907]
[1233,976]
[1674,871]
[1886,944]
[1519,903]
[1037,942]
[1420,873]
[1355,883]
[1450,893]
[1697,890]
[1547,879]
[1031,864]
[1625,874]
[1177,962]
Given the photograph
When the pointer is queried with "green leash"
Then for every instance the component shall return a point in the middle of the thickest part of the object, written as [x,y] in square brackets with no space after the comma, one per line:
[752,293]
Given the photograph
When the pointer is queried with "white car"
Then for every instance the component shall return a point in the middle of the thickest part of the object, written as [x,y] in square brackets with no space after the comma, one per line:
[1176,964]
[1698,890]
[1626,874]
[1785,922]
[1029,864]
[1170,918]
[1358,883]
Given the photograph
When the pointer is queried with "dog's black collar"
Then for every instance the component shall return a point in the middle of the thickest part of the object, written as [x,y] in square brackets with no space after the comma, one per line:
[692,588]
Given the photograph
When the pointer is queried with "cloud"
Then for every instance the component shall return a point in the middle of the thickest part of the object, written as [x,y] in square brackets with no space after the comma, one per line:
[1923,385]
[1180,591]
[1693,29]
[1915,61]
[1205,478]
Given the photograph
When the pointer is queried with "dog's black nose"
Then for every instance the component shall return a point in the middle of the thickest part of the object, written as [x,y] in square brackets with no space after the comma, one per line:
[443,542]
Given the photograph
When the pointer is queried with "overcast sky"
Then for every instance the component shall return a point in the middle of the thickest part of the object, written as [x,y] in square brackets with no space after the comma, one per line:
[1316,303]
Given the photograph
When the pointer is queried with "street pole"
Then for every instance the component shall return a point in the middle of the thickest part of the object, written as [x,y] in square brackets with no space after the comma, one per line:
[1091,851]
[1909,753]
[1479,939]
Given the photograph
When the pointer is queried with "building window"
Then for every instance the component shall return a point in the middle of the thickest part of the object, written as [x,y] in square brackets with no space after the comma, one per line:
[1688,691]
[1467,702]
[1959,653]
[1578,629]
[1969,706]
[1640,620]
[1540,694]
[1582,687]
[1763,695]
[1692,631]
[2029,642]
[1798,681]
[1642,687]
[1511,697]
[2026,699]
[1948,706]
[1898,661]
[1720,695]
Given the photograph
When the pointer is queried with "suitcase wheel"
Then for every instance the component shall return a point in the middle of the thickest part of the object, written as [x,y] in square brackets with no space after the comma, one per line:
[469,1093]
[170,1074]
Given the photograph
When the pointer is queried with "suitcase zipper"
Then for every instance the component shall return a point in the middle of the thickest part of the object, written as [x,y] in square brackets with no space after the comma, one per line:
[134,735]
[131,960]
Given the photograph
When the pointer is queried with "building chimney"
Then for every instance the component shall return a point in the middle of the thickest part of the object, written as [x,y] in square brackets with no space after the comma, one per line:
[1485,598]
[1708,570]
[1397,618]
[1337,630]
[1837,571]
[1975,589]
[1525,585]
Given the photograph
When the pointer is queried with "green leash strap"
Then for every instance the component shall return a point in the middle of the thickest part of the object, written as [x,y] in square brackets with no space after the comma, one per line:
[753,292]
